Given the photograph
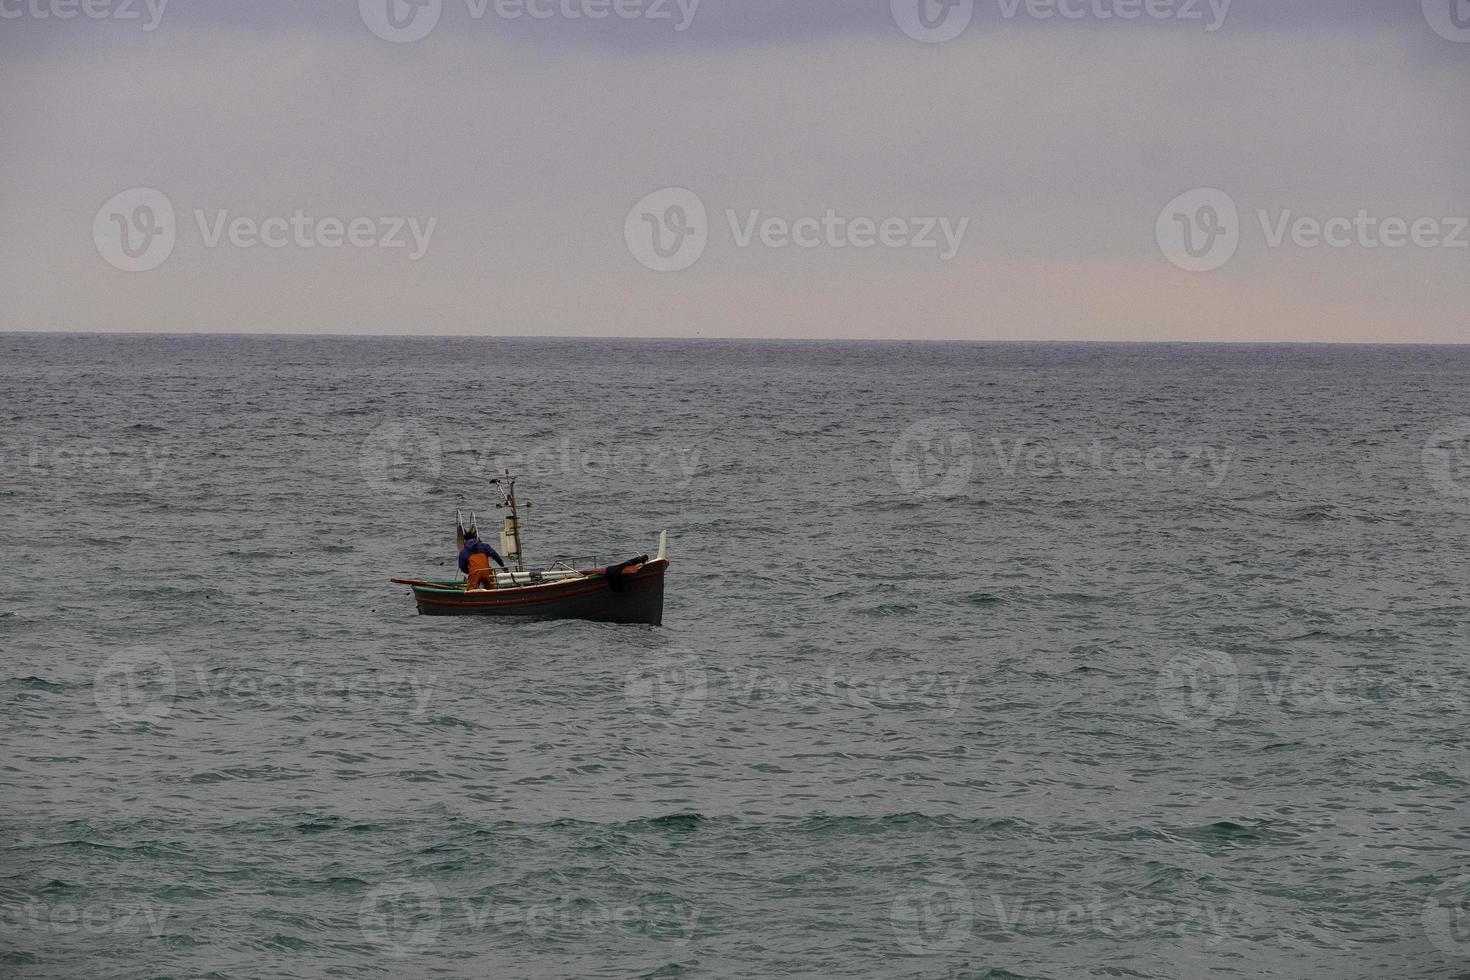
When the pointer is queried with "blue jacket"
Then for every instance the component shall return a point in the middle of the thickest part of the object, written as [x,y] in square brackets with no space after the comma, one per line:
[476,546]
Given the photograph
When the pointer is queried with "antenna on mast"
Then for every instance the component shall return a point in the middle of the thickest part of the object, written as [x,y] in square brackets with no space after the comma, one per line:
[510,532]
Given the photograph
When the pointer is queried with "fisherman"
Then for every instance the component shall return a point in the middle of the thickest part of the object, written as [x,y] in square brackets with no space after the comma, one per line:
[474,561]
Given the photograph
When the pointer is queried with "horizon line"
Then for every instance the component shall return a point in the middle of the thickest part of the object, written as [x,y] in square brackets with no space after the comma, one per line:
[739,339]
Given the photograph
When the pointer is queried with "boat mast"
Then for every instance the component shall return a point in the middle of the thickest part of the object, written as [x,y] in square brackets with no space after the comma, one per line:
[510,535]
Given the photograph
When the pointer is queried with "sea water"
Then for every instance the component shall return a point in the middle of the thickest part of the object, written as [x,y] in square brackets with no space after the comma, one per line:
[978,660]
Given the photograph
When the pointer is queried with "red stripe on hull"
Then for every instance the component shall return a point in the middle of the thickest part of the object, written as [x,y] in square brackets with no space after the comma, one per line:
[640,600]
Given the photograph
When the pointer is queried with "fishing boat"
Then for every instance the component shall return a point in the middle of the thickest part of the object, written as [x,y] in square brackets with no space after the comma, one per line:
[630,591]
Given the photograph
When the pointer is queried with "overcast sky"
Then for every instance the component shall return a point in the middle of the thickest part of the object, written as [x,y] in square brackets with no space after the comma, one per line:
[1051,170]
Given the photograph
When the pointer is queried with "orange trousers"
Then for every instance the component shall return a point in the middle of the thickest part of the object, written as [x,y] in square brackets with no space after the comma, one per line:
[481,576]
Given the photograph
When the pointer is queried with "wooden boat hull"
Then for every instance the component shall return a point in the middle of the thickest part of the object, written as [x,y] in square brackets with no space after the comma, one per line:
[634,596]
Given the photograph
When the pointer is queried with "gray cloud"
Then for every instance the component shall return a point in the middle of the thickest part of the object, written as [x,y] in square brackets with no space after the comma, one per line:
[1060,145]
